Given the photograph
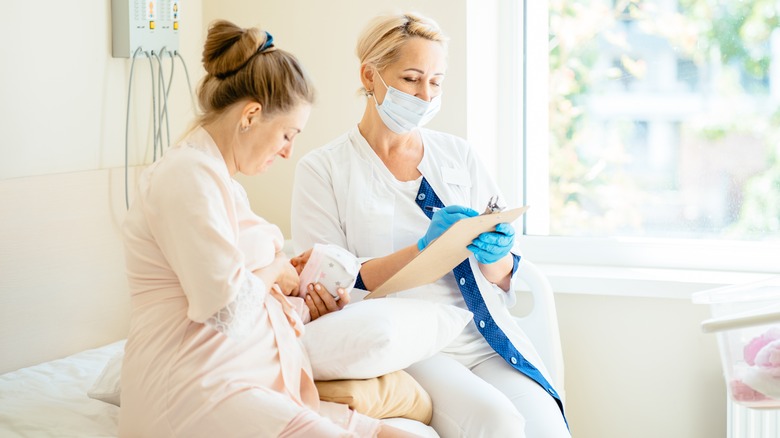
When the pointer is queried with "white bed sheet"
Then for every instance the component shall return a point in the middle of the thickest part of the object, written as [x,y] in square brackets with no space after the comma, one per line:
[50,400]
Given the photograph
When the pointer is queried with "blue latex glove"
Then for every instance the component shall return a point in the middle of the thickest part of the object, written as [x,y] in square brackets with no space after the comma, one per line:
[441,220]
[492,246]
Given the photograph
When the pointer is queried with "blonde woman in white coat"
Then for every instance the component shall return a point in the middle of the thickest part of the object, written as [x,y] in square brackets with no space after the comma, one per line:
[384,190]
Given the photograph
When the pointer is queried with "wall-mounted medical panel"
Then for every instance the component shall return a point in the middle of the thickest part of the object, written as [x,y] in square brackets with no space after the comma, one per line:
[152,25]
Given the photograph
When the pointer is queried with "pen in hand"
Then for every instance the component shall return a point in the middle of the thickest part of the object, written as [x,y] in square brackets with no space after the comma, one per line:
[492,206]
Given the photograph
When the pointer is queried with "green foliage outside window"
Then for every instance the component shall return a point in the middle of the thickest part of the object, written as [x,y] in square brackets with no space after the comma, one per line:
[721,179]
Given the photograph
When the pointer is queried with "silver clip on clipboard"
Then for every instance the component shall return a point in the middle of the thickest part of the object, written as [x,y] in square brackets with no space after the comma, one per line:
[492,206]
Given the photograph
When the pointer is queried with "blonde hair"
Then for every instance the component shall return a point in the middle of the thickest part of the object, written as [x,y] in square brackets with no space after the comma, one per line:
[241,65]
[381,40]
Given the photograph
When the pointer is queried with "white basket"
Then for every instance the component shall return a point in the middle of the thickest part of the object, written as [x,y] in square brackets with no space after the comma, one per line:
[746,320]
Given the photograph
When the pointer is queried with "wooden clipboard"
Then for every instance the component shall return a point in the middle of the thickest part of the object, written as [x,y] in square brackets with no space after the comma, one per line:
[443,254]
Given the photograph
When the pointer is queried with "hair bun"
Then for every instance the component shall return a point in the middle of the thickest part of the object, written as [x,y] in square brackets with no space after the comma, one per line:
[228,47]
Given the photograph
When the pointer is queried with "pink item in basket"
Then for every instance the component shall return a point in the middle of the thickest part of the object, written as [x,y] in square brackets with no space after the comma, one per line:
[744,393]
[769,356]
[764,374]
[764,380]
[756,344]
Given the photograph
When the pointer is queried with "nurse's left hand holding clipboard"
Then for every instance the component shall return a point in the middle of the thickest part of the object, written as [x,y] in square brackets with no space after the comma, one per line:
[492,246]
[488,247]
[319,301]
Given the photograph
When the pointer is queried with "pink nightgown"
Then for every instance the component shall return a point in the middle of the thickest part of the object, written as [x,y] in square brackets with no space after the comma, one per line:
[210,352]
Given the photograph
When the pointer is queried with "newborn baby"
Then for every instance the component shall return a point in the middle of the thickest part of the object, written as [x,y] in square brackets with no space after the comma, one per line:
[330,265]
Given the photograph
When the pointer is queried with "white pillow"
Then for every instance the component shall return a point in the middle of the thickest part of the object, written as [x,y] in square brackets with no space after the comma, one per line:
[107,387]
[375,337]
[420,429]
[364,340]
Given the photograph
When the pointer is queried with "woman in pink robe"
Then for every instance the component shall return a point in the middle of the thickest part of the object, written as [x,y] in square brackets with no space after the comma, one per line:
[213,348]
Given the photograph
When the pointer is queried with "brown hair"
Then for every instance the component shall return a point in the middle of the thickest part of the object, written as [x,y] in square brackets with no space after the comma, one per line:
[381,40]
[239,68]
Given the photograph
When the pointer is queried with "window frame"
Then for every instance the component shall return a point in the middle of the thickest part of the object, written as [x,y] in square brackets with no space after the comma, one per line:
[519,31]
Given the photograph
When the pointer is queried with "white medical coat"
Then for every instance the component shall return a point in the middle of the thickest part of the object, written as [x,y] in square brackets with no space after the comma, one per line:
[344,194]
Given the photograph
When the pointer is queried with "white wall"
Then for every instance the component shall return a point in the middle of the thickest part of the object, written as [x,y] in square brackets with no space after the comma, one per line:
[635,367]
[640,368]
[64,97]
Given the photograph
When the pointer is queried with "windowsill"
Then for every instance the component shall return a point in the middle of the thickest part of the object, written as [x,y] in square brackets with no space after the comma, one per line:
[654,268]
[640,282]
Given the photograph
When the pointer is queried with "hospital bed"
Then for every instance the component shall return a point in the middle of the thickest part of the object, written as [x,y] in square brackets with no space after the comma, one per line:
[64,303]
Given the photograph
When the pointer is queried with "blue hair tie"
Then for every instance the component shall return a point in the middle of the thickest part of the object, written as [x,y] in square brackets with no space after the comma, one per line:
[269,42]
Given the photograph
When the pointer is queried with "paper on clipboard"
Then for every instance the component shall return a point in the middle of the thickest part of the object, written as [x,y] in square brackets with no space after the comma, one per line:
[443,254]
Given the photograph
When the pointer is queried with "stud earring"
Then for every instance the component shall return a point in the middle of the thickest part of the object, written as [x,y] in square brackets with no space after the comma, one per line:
[243,129]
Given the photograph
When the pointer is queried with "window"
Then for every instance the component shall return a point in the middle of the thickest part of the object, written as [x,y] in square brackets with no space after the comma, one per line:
[657,123]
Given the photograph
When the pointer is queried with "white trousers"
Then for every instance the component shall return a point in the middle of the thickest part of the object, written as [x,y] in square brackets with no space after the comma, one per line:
[490,400]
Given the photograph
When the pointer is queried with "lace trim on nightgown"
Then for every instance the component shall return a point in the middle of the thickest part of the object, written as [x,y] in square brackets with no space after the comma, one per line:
[237,319]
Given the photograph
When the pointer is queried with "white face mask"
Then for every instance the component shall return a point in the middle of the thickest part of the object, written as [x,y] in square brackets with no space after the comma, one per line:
[403,112]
